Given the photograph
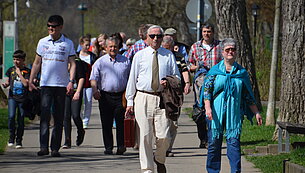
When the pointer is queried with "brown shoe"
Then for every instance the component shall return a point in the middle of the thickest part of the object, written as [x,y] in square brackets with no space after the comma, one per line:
[169,154]
[160,167]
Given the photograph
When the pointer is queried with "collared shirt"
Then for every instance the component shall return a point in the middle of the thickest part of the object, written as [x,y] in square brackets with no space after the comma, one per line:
[141,71]
[55,57]
[205,56]
[111,75]
[134,49]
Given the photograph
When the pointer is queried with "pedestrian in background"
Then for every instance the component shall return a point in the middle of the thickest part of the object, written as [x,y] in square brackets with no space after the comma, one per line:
[108,80]
[204,54]
[73,104]
[168,43]
[86,56]
[18,76]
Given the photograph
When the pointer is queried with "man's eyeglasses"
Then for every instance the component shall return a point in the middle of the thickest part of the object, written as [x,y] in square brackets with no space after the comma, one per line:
[230,49]
[152,36]
[53,26]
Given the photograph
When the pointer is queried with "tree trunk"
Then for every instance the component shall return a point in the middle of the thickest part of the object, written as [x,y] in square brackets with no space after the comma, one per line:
[292,105]
[270,120]
[232,22]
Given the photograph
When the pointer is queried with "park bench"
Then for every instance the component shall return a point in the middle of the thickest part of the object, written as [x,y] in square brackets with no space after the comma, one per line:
[290,128]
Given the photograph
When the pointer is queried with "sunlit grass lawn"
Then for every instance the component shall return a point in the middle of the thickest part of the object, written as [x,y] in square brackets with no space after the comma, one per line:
[253,135]
[4,135]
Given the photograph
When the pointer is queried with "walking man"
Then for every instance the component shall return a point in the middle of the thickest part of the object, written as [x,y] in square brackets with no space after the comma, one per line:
[204,54]
[145,83]
[108,80]
[53,54]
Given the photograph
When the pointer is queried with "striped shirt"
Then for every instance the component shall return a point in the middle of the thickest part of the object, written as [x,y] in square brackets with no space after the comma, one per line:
[134,49]
[204,56]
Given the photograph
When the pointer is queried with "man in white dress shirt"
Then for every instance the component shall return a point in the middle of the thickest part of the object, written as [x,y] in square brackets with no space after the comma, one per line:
[143,97]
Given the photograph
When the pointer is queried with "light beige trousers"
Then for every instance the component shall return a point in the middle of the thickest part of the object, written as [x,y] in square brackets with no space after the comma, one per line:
[152,121]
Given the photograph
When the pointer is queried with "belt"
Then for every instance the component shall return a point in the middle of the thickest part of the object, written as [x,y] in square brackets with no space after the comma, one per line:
[151,93]
[113,93]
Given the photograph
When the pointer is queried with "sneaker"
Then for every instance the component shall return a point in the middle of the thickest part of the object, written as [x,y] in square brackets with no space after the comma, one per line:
[42,152]
[10,144]
[66,146]
[55,153]
[18,146]
[85,126]
[80,137]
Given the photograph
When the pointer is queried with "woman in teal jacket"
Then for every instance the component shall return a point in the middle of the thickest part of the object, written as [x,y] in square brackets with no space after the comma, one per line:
[227,98]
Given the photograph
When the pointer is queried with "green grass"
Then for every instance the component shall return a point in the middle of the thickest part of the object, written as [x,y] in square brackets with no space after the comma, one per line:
[253,135]
[274,163]
[4,135]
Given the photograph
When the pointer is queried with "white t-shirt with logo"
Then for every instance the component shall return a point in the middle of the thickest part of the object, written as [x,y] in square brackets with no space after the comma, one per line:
[55,57]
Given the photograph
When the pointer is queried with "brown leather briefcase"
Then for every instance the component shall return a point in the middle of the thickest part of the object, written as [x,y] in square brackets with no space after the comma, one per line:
[129,131]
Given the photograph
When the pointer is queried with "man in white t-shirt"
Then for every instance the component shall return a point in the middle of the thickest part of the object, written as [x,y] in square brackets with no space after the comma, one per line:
[53,54]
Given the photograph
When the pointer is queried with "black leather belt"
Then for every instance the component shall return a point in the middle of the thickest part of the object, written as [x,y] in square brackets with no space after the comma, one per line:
[113,93]
[151,93]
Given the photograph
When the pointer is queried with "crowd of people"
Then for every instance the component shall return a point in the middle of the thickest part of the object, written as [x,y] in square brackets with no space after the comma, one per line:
[147,78]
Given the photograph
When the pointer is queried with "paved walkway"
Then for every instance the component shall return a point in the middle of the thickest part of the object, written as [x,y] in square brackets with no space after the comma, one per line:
[90,158]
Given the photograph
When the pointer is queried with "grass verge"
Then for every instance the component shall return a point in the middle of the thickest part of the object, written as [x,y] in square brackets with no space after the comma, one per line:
[253,135]
[4,135]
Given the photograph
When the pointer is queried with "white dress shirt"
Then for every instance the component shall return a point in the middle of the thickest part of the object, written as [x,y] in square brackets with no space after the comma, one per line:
[141,71]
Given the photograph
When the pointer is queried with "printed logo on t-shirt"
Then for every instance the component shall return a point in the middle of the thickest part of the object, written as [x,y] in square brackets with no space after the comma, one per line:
[18,88]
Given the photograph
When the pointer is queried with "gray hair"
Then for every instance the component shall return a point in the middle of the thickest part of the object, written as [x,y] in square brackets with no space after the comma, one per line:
[168,40]
[113,40]
[155,26]
[228,42]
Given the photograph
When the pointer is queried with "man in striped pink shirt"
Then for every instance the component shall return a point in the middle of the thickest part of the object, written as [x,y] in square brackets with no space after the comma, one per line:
[204,54]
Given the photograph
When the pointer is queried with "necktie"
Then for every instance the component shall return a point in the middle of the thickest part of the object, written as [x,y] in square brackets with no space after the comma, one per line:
[155,73]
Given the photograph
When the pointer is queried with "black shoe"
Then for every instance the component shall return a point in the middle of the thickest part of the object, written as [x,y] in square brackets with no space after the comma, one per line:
[66,146]
[80,137]
[160,167]
[55,154]
[42,152]
[120,151]
[108,152]
[203,144]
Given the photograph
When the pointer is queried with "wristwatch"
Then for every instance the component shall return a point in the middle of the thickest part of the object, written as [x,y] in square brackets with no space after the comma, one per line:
[72,81]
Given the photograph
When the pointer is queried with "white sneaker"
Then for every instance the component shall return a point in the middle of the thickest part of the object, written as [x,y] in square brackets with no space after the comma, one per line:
[85,126]
[10,144]
[18,146]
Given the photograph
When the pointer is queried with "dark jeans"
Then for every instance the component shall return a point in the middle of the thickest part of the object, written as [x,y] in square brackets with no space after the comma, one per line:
[13,105]
[110,106]
[72,108]
[49,95]
[213,164]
